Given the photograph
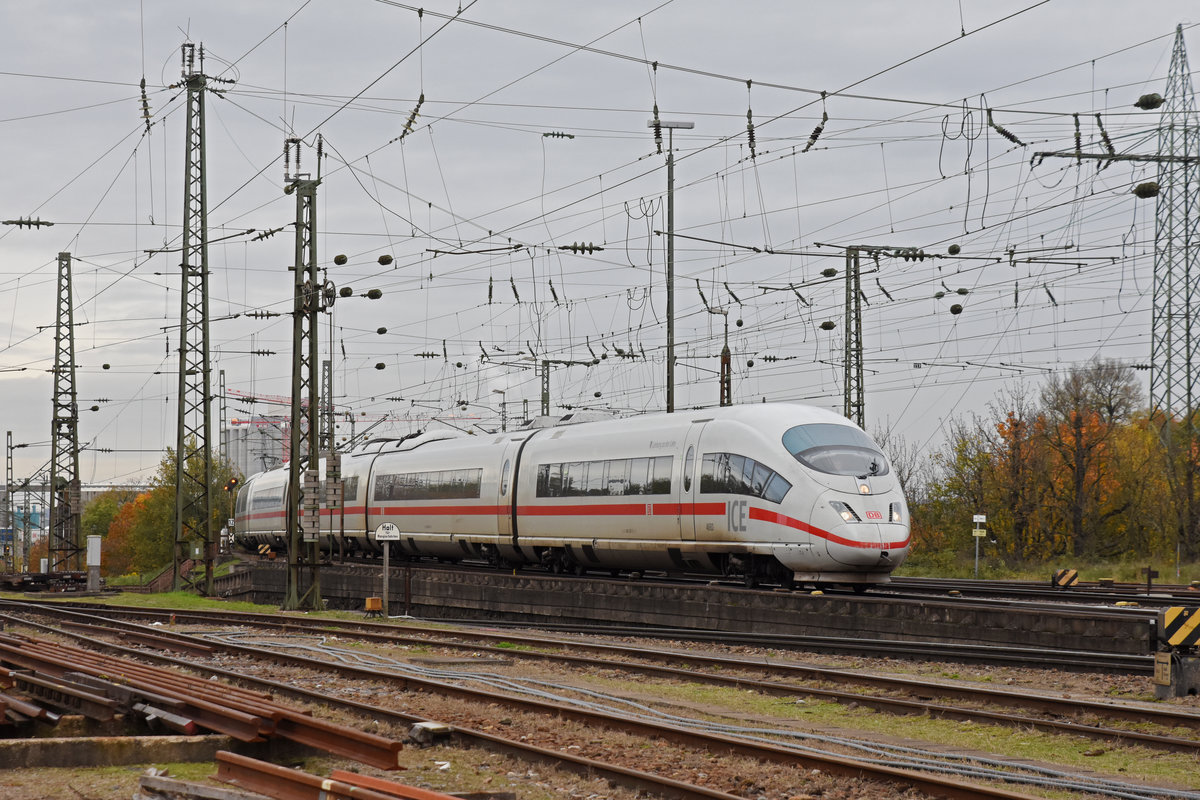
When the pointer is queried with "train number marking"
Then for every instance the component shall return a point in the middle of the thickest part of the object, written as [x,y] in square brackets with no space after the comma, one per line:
[736,512]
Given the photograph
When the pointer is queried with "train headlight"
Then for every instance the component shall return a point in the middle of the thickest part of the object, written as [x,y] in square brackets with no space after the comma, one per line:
[844,511]
[863,488]
[894,512]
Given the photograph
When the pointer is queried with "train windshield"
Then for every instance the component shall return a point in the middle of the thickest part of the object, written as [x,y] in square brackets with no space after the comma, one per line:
[835,449]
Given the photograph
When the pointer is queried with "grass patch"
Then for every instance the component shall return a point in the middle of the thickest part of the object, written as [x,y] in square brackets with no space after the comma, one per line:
[1064,750]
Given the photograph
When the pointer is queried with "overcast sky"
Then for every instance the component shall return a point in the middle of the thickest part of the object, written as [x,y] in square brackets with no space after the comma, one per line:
[475,202]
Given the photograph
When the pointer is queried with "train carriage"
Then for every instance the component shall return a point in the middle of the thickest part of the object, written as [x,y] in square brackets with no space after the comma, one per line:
[765,492]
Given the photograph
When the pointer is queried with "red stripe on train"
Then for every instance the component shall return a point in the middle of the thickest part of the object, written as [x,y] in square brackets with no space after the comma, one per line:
[764,515]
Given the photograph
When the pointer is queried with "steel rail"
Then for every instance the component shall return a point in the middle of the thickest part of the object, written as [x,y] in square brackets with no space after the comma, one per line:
[942,651]
[846,767]
[1059,707]
[710,742]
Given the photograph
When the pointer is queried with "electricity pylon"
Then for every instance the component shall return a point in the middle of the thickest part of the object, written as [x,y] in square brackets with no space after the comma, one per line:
[1175,348]
[193,452]
[65,501]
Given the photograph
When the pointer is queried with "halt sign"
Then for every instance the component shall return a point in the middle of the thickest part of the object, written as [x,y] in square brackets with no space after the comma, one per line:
[387,532]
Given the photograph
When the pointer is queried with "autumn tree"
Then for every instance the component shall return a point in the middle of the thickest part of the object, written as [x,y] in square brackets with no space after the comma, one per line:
[142,534]
[1016,487]
[1081,412]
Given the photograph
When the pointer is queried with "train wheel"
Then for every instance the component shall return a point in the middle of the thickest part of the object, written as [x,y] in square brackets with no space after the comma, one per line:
[861,588]
[749,580]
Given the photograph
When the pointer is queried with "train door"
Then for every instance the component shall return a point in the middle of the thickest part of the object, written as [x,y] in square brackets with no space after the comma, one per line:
[505,490]
[689,485]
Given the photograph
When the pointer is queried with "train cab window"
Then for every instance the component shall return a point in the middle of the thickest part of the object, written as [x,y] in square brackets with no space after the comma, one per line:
[689,461]
[504,477]
[835,449]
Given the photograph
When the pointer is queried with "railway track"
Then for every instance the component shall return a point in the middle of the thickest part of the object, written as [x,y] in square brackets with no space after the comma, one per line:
[687,669]
[926,650]
[1083,593]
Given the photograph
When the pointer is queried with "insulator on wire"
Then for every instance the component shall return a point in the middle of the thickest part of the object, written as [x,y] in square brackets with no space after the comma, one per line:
[703,299]
[657,130]
[731,294]
[412,118]
[145,105]
[1052,300]
[513,284]
[1003,131]
[1079,142]
[816,134]
[581,247]
[489,290]
[553,293]
[557,135]
[885,291]
[1108,145]
[750,133]
[445,354]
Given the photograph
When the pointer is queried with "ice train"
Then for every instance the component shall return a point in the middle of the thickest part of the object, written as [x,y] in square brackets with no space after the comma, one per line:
[766,493]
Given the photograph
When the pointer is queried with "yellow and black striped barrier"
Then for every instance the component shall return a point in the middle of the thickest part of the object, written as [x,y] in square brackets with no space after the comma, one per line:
[1179,626]
[1062,578]
[264,549]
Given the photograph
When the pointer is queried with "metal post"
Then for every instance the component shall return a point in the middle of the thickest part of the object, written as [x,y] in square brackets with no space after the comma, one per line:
[854,404]
[658,124]
[670,270]
[193,452]
[66,551]
[387,549]
[10,518]
[976,556]
[303,508]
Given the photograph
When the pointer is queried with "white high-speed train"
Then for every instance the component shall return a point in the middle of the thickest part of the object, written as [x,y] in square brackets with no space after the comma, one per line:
[777,493]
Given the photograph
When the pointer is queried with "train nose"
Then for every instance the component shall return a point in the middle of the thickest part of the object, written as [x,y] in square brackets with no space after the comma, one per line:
[858,544]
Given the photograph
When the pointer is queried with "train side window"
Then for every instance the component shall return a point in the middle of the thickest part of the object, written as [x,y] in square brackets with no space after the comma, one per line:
[639,469]
[351,489]
[618,476]
[597,481]
[662,475]
[504,477]
[762,474]
[737,466]
[689,461]
[777,486]
[574,477]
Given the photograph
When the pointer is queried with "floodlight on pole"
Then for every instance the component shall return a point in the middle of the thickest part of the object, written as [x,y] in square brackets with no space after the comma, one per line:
[658,125]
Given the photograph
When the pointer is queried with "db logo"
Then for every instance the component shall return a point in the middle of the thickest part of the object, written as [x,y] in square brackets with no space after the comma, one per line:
[874,515]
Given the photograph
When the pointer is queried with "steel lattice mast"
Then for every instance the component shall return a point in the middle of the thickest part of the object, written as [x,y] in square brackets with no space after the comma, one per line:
[1174,389]
[854,405]
[10,518]
[193,454]
[65,502]
[303,508]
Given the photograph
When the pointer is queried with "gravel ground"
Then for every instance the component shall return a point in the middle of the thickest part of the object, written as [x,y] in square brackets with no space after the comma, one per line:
[451,769]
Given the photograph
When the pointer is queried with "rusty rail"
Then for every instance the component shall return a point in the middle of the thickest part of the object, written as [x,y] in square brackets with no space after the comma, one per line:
[283,783]
[99,685]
